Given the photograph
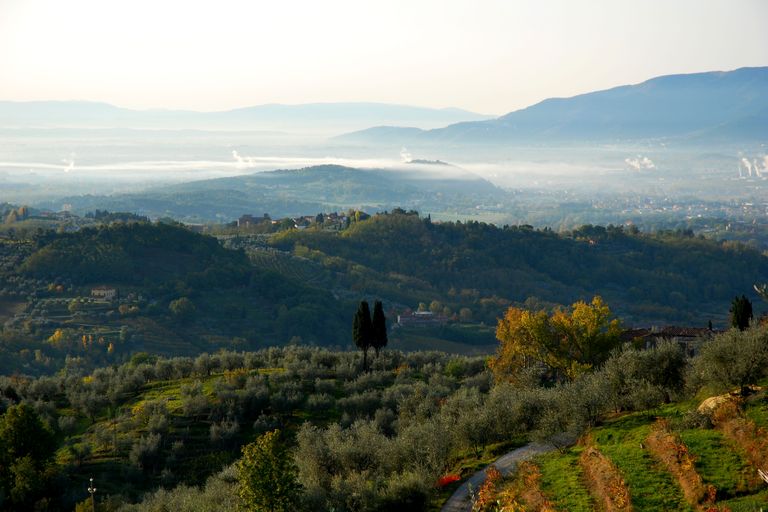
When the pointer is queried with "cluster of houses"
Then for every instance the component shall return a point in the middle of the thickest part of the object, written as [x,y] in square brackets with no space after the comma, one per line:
[689,338]
[333,220]
[247,221]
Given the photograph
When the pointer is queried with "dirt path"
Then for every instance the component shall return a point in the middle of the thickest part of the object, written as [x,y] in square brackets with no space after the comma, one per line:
[459,501]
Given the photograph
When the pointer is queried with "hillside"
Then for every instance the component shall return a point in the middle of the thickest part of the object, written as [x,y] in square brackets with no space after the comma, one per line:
[180,293]
[719,106]
[160,423]
[162,434]
[647,279]
[670,458]
[306,191]
[134,252]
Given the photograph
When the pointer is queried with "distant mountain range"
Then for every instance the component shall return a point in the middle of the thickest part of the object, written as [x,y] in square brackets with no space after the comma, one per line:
[428,186]
[710,106]
[326,118]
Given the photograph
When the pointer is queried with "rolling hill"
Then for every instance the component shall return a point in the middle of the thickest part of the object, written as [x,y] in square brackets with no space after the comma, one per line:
[647,279]
[424,186]
[164,263]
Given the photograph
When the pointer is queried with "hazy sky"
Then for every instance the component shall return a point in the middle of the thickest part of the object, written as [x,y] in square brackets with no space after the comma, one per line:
[484,55]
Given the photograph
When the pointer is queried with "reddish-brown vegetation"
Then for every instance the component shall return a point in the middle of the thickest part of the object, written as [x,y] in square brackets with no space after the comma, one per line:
[752,439]
[604,481]
[531,494]
[669,449]
[523,493]
[486,494]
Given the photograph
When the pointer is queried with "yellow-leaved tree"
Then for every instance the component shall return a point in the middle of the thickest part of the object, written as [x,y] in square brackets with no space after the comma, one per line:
[566,343]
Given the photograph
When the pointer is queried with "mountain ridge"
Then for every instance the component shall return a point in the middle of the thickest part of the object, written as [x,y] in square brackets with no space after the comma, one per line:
[80,114]
[683,105]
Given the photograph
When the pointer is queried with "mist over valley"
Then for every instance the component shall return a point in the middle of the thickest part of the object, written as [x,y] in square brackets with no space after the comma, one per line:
[383,256]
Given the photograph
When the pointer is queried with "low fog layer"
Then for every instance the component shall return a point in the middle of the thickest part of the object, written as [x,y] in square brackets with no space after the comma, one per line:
[44,167]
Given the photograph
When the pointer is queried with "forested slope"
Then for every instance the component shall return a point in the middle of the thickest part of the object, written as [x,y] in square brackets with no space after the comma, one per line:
[670,278]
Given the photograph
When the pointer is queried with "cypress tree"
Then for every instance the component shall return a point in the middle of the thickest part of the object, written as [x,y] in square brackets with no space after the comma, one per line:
[379,327]
[362,330]
[741,312]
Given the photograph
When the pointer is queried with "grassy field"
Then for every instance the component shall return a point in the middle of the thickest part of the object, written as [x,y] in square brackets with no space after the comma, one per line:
[757,410]
[719,462]
[651,488]
[413,341]
[562,481]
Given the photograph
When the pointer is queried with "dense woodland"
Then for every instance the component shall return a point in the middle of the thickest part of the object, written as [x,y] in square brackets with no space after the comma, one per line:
[661,278]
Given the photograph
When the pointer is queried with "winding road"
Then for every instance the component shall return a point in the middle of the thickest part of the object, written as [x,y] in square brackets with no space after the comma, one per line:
[506,464]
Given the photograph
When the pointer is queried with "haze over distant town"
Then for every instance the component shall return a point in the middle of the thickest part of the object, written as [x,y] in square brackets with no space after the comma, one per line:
[100,99]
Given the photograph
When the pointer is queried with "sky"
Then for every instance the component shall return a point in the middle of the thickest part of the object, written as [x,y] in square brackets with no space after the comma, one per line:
[488,56]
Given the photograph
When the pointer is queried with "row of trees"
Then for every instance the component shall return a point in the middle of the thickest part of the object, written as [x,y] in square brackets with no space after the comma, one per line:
[369,332]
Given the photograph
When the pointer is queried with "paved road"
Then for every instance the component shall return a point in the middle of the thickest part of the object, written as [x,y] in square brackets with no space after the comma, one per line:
[506,464]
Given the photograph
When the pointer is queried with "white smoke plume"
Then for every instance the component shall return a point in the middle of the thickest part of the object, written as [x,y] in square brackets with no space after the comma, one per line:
[70,162]
[405,155]
[747,166]
[242,162]
[640,163]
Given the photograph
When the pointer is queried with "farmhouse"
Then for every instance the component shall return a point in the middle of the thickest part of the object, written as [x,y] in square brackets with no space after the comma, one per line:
[248,220]
[689,338]
[421,319]
[104,292]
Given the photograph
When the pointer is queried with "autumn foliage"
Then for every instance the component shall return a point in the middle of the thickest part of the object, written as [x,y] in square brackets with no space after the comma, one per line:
[525,492]
[567,342]
[486,494]
[605,481]
[669,449]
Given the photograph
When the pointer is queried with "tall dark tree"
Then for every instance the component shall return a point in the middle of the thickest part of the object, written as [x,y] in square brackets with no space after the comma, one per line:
[23,433]
[379,327]
[741,312]
[26,445]
[362,330]
[267,475]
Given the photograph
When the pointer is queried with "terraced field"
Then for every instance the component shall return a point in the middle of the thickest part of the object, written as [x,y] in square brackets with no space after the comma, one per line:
[708,457]
[299,269]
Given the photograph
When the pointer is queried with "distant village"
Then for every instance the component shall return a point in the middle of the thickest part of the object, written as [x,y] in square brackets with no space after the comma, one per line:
[333,220]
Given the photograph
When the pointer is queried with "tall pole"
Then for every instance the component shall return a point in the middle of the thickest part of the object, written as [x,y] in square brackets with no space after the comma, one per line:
[92,490]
